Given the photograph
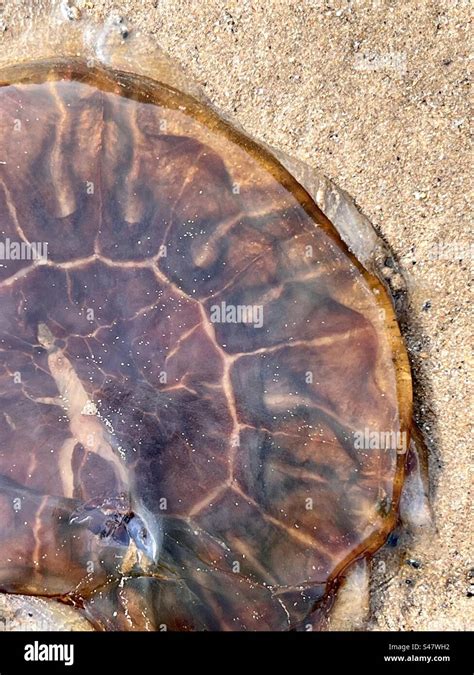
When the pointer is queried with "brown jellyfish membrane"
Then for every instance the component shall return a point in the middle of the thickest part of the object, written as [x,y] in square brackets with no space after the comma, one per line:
[277,510]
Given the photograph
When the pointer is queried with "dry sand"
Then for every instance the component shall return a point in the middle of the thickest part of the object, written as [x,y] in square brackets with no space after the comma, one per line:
[375,94]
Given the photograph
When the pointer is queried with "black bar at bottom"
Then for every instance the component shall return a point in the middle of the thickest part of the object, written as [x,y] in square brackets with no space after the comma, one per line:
[114,653]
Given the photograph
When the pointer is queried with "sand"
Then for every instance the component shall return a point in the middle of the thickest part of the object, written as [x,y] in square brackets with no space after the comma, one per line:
[375,94]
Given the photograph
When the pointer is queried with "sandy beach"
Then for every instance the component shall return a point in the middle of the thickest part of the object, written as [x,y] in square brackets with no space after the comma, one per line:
[374,93]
